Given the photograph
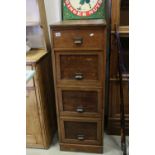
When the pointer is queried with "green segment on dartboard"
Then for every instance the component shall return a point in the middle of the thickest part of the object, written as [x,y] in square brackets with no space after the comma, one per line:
[99,14]
[83,1]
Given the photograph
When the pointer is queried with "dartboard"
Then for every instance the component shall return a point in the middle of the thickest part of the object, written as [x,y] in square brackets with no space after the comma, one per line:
[83,7]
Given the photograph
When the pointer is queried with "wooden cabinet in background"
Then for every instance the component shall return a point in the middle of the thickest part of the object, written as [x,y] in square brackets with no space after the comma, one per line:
[79,64]
[114,56]
[40,102]
[114,106]
[120,15]
[114,93]
[119,12]
[40,106]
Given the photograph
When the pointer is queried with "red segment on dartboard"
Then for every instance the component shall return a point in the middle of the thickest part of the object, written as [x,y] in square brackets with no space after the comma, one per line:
[83,7]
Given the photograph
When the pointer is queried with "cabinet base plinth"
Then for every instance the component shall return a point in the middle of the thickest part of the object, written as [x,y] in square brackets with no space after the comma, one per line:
[81,148]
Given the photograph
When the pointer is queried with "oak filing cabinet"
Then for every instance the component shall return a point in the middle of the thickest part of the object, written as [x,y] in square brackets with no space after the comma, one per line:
[79,64]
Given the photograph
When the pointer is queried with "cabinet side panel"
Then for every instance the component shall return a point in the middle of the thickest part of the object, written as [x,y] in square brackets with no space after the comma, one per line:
[33,128]
[47,101]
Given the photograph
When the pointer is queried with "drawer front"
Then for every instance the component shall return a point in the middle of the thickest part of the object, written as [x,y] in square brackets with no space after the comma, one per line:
[84,38]
[80,101]
[81,131]
[79,67]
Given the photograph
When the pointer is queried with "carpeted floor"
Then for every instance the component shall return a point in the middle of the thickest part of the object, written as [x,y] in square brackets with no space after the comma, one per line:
[111,147]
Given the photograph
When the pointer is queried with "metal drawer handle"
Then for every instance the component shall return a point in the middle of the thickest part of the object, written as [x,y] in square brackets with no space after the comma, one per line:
[78,76]
[80,137]
[80,109]
[78,40]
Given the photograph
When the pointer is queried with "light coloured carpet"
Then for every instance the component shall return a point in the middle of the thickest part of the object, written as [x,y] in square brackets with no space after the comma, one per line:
[111,147]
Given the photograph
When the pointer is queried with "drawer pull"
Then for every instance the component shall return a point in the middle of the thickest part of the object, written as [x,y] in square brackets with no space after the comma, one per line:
[80,137]
[80,109]
[78,76]
[78,40]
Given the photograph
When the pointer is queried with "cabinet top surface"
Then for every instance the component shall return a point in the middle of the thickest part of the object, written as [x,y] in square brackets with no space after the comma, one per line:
[95,22]
[35,55]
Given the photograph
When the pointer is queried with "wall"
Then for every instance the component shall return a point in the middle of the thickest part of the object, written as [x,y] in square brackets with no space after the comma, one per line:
[53,10]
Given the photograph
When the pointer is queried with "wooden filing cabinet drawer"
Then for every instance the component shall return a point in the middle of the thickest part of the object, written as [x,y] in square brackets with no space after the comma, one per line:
[80,101]
[79,67]
[84,38]
[81,131]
